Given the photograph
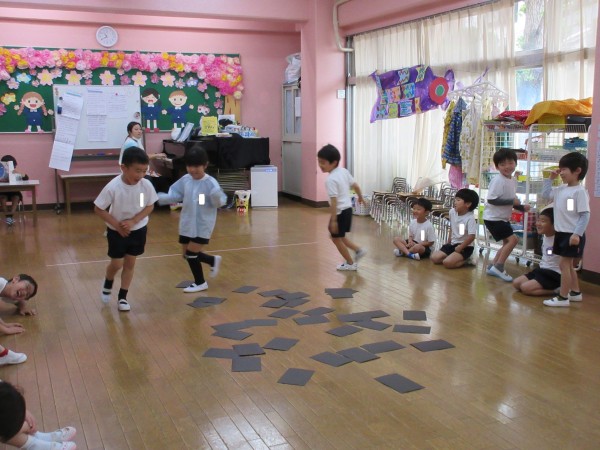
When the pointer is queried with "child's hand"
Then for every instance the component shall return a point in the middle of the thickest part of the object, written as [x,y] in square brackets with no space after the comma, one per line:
[554,174]
[333,226]
[410,243]
[25,310]
[12,328]
[361,200]
[30,421]
[574,240]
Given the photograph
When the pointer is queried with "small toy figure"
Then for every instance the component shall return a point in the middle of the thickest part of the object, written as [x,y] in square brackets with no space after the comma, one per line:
[242,201]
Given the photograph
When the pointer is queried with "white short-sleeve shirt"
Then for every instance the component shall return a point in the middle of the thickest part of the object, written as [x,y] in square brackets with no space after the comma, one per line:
[338,185]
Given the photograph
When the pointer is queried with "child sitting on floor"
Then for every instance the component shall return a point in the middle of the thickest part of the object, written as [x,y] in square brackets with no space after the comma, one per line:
[421,235]
[545,279]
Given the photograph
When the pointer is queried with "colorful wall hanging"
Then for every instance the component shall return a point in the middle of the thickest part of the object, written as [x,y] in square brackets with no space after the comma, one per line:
[175,88]
[408,91]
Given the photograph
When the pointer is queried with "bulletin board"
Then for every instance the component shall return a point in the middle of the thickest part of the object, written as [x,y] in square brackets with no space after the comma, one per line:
[123,105]
[203,84]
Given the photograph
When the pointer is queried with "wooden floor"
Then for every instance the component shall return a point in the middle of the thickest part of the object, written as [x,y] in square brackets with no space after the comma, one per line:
[522,376]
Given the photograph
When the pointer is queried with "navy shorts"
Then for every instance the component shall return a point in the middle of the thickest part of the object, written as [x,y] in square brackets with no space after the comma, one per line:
[562,247]
[195,240]
[344,221]
[499,229]
[448,249]
[425,254]
[548,279]
[119,246]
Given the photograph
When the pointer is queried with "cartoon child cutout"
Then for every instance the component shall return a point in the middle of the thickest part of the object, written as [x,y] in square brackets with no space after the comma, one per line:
[33,106]
[151,108]
[178,111]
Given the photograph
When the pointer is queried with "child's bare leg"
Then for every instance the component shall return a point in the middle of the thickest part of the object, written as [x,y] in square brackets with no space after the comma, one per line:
[519,281]
[508,246]
[454,261]
[127,273]
[532,287]
[341,246]
[3,200]
[401,245]
[349,244]
[438,257]
[566,271]
[113,267]
[418,248]
[14,203]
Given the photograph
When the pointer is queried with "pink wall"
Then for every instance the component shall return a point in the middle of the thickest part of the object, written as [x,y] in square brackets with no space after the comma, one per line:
[263,60]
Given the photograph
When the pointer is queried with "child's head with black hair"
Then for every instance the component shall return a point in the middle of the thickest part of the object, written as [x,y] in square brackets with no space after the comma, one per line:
[504,154]
[196,156]
[328,158]
[545,222]
[576,163]
[426,204]
[12,411]
[469,197]
[134,155]
[130,126]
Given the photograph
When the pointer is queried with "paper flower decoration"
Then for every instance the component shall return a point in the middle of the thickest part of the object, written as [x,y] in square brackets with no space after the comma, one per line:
[23,78]
[12,84]
[202,87]
[125,80]
[2,110]
[180,83]
[139,79]
[8,98]
[45,78]
[73,78]
[191,82]
[107,78]
[167,79]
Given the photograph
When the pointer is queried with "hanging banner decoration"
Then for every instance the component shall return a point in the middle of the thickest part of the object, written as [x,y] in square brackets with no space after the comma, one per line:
[408,91]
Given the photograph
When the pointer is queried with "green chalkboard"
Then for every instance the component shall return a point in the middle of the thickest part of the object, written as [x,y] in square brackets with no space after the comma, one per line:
[27,105]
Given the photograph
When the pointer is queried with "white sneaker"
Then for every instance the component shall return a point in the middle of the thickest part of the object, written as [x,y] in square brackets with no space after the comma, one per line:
[62,435]
[104,297]
[360,253]
[397,252]
[13,358]
[196,287]
[346,266]
[556,301]
[414,256]
[214,270]
[575,298]
[493,271]
[124,305]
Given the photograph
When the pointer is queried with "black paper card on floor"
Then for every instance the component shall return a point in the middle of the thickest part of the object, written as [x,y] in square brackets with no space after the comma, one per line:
[414,315]
[245,289]
[296,302]
[274,303]
[373,325]
[333,359]
[417,329]
[284,313]
[358,354]
[248,349]
[361,316]
[204,302]
[273,293]
[184,284]
[282,344]
[340,292]
[311,320]
[226,353]
[230,326]
[236,335]
[381,347]
[261,322]
[399,383]
[292,295]
[318,311]
[246,364]
[429,346]
[296,377]
[344,330]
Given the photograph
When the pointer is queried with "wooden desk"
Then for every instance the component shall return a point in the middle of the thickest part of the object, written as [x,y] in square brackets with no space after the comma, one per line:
[68,178]
[29,185]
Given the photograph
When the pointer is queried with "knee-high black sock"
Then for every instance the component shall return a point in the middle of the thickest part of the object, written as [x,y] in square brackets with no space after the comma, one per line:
[206,259]
[195,267]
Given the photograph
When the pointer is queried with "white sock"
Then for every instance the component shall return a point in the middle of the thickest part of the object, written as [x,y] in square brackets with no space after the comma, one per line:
[37,444]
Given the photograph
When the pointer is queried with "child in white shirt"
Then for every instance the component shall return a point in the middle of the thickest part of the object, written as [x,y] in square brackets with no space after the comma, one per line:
[421,235]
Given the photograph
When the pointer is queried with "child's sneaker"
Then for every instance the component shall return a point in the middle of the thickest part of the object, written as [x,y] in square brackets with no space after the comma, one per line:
[414,256]
[575,297]
[493,271]
[175,206]
[557,301]
[104,296]
[124,305]
[346,266]
[13,358]
[397,252]
[214,270]
[360,253]
[196,287]
[10,221]
[63,435]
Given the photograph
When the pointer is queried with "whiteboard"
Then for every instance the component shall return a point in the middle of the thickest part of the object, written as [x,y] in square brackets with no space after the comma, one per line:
[105,114]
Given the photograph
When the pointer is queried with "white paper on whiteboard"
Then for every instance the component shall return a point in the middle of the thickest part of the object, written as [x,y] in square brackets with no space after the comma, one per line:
[61,155]
[66,129]
[117,105]
[71,105]
[97,130]
[96,102]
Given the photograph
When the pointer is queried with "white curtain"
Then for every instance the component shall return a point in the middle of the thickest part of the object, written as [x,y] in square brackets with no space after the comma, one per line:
[467,41]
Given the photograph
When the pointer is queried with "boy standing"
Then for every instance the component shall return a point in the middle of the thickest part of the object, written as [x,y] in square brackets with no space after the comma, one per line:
[571,217]
[501,199]
[421,235]
[458,250]
[131,199]
[542,280]
[338,186]
[201,196]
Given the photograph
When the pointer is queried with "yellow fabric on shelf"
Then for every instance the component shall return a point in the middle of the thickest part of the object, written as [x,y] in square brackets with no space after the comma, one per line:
[561,108]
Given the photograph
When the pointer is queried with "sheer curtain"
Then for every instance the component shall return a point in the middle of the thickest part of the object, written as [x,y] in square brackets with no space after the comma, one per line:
[468,41]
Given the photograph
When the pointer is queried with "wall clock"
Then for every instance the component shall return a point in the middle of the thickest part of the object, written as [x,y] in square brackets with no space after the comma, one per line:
[107,36]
